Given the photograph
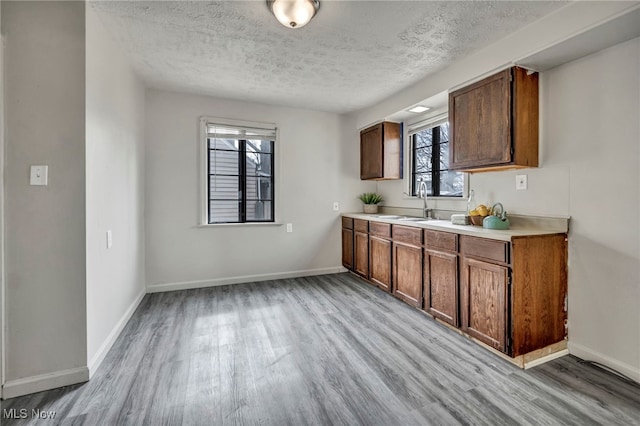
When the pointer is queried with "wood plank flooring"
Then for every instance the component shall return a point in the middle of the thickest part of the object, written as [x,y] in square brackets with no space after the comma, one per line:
[326,350]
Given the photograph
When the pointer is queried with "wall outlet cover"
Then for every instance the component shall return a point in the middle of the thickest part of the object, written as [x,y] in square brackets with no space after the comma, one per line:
[521,182]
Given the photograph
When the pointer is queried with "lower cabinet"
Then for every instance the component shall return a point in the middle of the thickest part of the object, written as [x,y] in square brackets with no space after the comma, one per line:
[407,273]
[441,285]
[361,247]
[361,254]
[380,251]
[484,301]
[509,295]
[407,264]
[347,243]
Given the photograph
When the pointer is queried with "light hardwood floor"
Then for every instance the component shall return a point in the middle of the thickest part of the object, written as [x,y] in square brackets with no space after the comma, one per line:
[326,350]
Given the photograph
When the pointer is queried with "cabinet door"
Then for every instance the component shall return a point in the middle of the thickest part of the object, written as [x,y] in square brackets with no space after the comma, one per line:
[347,248]
[441,285]
[371,149]
[480,117]
[380,262]
[484,302]
[361,254]
[407,273]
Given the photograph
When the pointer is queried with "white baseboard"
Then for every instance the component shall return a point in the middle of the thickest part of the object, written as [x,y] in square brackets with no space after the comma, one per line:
[591,355]
[156,288]
[14,388]
[97,359]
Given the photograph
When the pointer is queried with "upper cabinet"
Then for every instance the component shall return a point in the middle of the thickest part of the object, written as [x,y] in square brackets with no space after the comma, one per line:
[381,152]
[494,123]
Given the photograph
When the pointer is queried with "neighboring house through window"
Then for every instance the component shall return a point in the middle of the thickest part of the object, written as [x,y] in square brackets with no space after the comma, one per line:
[430,161]
[239,171]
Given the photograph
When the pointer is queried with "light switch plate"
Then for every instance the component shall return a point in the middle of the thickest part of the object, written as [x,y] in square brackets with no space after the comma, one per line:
[289,227]
[109,239]
[39,175]
[336,206]
[521,182]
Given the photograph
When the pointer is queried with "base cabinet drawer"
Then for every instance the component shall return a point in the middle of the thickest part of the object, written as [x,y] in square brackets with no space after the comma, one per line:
[483,248]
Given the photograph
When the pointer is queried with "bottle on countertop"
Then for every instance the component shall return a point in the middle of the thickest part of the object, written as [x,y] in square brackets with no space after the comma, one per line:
[471,202]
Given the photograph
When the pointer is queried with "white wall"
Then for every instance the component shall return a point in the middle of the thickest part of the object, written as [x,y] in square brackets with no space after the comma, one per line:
[115,194]
[45,226]
[312,174]
[590,140]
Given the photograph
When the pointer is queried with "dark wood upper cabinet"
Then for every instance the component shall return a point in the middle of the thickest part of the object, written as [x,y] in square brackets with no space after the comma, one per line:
[494,123]
[381,152]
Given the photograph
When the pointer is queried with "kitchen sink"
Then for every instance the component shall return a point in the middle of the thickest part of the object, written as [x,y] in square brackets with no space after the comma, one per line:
[402,218]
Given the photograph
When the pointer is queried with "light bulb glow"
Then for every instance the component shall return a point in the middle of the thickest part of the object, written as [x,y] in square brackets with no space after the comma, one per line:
[293,13]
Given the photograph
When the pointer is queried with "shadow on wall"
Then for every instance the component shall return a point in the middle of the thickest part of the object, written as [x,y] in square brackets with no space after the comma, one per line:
[597,320]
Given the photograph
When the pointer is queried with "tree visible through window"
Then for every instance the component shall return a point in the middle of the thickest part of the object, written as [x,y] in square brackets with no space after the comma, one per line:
[430,150]
[240,174]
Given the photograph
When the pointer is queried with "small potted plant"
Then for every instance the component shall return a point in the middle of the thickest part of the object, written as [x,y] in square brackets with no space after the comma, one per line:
[371,200]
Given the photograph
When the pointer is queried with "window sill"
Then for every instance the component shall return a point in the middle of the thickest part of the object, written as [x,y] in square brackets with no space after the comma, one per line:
[234,225]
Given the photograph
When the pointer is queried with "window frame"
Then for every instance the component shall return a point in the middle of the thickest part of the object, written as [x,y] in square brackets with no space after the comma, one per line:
[203,148]
[426,122]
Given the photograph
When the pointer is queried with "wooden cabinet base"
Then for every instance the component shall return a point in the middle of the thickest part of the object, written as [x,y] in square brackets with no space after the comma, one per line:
[528,360]
[531,359]
[407,273]
[380,262]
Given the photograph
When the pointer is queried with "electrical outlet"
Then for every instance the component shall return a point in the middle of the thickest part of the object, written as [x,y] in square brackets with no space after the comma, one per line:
[289,227]
[521,182]
[336,206]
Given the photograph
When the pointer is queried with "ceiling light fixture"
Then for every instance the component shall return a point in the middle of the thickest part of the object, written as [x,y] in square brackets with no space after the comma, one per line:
[418,109]
[293,13]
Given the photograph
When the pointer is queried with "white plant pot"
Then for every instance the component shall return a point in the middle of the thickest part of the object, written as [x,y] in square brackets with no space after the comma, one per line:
[370,208]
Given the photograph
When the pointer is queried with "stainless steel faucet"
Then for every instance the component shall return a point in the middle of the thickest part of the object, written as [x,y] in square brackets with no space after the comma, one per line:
[422,193]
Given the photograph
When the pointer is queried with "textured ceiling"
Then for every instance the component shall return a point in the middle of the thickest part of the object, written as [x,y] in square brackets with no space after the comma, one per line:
[351,55]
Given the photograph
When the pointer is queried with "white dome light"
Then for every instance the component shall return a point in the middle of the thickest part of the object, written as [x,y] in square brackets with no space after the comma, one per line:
[293,13]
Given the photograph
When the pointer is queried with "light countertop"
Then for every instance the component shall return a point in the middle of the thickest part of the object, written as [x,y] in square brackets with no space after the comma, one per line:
[521,226]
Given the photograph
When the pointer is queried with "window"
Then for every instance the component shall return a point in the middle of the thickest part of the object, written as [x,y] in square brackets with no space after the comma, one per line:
[239,172]
[430,162]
